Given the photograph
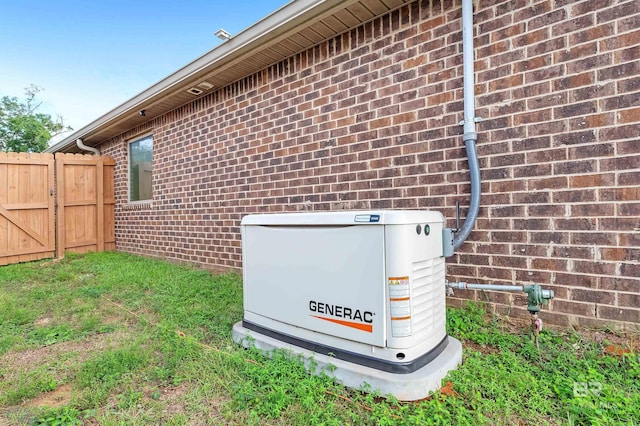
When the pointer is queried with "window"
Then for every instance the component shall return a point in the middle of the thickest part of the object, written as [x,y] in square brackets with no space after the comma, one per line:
[140,166]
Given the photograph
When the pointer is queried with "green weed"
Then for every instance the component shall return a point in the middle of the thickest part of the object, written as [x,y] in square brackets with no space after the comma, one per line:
[45,336]
[100,375]
[64,416]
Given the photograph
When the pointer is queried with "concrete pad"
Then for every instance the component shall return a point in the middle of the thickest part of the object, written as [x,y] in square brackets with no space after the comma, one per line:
[405,387]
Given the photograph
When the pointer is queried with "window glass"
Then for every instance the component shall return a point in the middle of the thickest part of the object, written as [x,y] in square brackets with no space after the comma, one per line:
[140,169]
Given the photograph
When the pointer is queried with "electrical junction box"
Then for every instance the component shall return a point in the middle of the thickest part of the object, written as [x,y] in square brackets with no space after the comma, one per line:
[365,289]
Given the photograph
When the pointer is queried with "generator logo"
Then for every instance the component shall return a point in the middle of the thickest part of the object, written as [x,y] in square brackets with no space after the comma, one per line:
[343,315]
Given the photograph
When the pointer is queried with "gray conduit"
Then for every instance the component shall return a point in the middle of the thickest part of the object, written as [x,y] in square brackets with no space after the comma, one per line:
[470,136]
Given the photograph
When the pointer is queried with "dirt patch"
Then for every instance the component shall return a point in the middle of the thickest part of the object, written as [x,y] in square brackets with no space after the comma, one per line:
[56,398]
[44,321]
[175,401]
[614,343]
[628,340]
[61,354]
[50,263]
[31,358]
[467,344]
[172,396]
[624,341]
[128,317]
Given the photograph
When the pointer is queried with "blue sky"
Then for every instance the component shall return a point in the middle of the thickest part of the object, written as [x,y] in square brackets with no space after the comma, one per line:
[91,56]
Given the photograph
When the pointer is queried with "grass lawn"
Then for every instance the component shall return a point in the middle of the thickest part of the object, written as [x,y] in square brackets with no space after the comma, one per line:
[112,339]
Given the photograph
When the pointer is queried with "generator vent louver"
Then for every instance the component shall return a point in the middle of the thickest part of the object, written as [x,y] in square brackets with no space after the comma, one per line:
[428,313]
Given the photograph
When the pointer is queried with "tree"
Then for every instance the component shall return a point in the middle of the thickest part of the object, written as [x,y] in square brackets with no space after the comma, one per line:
[22,128]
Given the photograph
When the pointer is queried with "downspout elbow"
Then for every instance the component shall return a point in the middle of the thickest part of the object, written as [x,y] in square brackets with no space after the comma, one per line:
[84,147]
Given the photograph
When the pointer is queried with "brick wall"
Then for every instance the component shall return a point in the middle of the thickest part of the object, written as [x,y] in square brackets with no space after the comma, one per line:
[368,120]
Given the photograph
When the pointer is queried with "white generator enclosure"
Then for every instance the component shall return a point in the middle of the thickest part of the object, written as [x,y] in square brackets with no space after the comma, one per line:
[365,290]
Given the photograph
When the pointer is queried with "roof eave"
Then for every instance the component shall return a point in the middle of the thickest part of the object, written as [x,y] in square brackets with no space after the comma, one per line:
[266,30]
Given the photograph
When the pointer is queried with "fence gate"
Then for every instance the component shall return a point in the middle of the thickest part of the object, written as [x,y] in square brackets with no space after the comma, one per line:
[27,215]
[49,207]
[85,203]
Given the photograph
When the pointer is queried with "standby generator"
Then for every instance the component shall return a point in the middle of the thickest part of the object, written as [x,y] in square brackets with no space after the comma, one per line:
[360,292]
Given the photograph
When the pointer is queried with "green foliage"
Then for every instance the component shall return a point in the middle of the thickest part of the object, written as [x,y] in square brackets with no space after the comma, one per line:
[8,338]
[104,371]
[268,392]
[13,313]
[29,384]
[108,367]
[22,128]
[46,336]
[129,399]
[64,416]
[149,343]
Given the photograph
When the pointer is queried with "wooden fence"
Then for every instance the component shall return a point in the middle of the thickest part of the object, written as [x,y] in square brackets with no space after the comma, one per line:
[51,206]
[27,213]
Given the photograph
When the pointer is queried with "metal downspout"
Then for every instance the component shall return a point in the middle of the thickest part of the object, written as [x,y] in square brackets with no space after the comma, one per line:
[470,136]
[87,148]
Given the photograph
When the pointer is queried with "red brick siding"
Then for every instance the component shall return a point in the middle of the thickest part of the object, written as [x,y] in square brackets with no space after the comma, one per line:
[368,120]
